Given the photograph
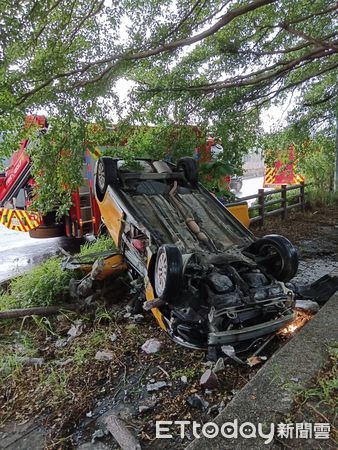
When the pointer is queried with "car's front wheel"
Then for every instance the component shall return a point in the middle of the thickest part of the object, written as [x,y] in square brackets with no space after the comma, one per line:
[106,174]
[277,256]
[168,272]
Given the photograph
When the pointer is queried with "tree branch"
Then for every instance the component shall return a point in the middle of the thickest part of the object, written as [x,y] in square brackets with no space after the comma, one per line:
[128,56]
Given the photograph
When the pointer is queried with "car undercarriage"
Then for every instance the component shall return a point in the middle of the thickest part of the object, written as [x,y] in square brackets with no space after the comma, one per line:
[208,281]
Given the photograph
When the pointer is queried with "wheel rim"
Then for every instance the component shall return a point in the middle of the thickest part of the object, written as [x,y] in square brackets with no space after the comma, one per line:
[271,258]
[101,178]
[161,274]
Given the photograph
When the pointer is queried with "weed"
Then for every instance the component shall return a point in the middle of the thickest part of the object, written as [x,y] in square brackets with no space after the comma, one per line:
[81,355]
[57,381]
[325,388]
[98,338]
[102,314]
[101,244]
[188,372]
[10,366]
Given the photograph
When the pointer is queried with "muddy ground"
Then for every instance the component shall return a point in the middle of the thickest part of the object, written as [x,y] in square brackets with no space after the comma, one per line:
[65,399]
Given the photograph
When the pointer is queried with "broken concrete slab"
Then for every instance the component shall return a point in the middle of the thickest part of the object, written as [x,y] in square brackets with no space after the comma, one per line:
[16,436]
[268,397]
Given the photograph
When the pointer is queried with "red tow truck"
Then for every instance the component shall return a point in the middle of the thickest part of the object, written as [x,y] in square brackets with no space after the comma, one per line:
[16,186]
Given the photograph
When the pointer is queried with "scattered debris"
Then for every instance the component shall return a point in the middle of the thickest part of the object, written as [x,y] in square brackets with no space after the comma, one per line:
[121,433]
[104,355]
[27,361]
[97,269]
[219,366]
[147,405]
[254,360]
[60,343]
[113,337]
[209,380]
[137,318]
[98,434]
[195,401]
[151,387]
[75,330]
[184,379]
[307,305]
[85,288]
[228,350]
[152,345]
[64,363]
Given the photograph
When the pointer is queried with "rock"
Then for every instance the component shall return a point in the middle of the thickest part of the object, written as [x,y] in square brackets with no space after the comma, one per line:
[184,379]
[97,269]
[219,365]
[147,405]
[307,305]
[151,346]
[209,380]
[195,401]
[85,288]
[151,387]
[104,355]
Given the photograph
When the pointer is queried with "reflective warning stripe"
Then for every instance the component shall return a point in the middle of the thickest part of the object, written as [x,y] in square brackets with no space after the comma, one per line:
[269,177]
[96,152]
[299,179]
[19,220]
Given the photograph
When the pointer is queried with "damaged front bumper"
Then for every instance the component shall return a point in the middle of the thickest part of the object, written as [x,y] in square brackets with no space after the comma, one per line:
[250,332]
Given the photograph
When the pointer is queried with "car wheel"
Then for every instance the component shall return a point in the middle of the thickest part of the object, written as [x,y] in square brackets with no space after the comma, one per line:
[277,256]
[189,167]
[106,174]
[168,272]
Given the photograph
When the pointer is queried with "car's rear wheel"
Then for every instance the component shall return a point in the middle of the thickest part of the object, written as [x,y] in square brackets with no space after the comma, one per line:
[106,174]
[189,167]
[277,256]
[168,272]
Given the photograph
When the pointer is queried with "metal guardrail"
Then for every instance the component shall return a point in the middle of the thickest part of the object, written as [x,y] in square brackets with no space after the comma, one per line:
[263,203]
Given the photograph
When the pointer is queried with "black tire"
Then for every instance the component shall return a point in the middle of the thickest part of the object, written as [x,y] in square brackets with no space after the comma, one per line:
[106,174]
[277,256]
[168,274]
[189,167]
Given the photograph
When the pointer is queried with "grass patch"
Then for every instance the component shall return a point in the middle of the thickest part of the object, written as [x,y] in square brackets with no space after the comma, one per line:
[101,244]
[47,284]
[325,389]
[317,198]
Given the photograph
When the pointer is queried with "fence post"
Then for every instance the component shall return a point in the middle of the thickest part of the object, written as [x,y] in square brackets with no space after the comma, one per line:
[302,196]
[261,204]
[284,204]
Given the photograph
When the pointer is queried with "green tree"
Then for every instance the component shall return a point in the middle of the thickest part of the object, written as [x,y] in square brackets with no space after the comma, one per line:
[214,64]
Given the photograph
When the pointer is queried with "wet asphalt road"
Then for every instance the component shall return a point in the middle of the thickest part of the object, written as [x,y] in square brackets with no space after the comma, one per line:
[19,252]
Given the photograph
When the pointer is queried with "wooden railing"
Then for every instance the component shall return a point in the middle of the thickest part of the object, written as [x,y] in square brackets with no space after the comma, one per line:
[284,207]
